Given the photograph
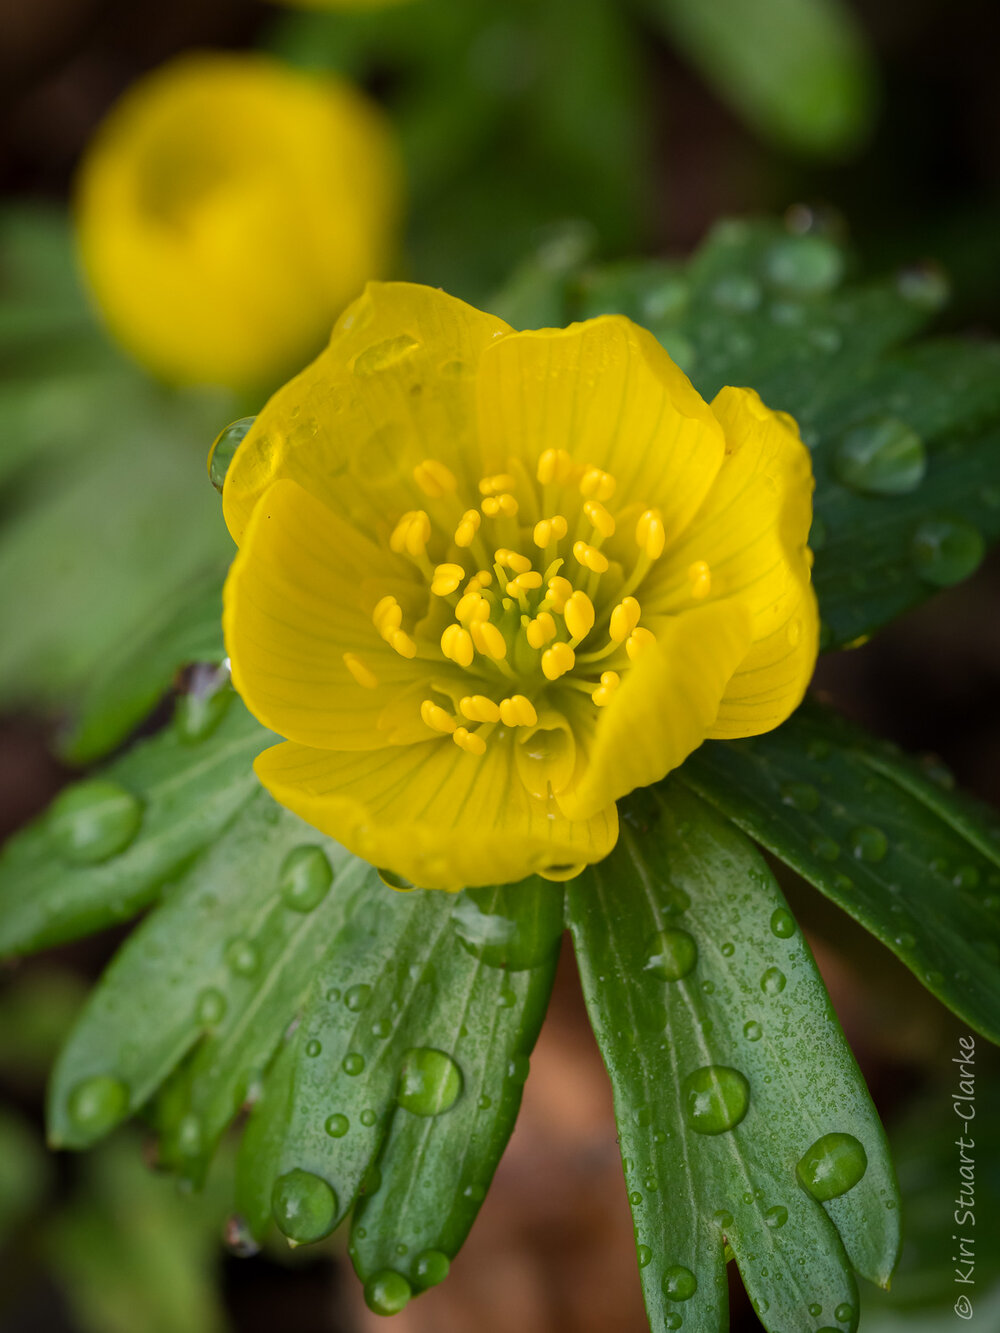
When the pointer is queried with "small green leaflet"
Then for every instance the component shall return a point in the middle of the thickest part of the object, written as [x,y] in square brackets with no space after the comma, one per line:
[915,862]
[732,1080]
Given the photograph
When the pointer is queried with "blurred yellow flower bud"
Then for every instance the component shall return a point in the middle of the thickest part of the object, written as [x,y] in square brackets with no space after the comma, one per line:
[227,210]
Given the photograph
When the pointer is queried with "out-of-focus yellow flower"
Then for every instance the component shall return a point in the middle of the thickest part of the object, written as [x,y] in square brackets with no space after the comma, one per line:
[488,582]
[228,209]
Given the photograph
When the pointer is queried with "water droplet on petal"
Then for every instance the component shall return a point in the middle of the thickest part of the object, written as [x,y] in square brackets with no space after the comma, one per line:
[97,1104]
[671,954]
[382,355]
[93,821]
[304,1206]
[881,457]
[679,1283]
[305,878]
[715,1098]
[946,550]
[868,843]
[833,1165]
[429,1081]
[224,448]
[431,1267]
[773,981]
[337,1126]
[782,923]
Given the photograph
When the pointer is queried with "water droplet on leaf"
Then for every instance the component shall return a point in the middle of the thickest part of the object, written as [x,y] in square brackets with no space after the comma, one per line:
[715,1098]
[782,923]
[881,457]
[800,796]
[776,1216]
[833,1165]
[429,1081]
[305,878]
[97,1104]
[431,1267]
[337,1126]
[211,1007]
[773,981]
[353,1064]
[387,1292]
[357,997]
[868,843]
[805,265]
[671,954]
[93,821]
[679,1283]
[304,1206]
[753,1031]
[946,550]
[644,1254]
[243,957]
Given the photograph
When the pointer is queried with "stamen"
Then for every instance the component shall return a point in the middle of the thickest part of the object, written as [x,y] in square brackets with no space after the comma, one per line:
[473,606]
[624,619]
[488,639]
[402,643]
[610,680]
[465,533]
[436,718]
[557,660]
[365,677]
[526,582]
[597,485]
[484,578]
[446,579]
[434,479]
[599,516]
[560,591]
[503,481]
[638,641]
[469,741]
[411,534]
[387,617]
[541,630]
[701,579]
[579,616]
[520,564]
[549,530]
[590,557]
[650,533]
[554,465]
[456,644]
[504,504]
[517,711]
[477,708]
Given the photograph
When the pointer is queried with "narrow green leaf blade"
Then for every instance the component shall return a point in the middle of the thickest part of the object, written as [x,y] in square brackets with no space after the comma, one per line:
[186,794]
[685,895]
[915,863]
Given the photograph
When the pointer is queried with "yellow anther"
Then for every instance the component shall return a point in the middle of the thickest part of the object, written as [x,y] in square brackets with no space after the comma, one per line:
[624,619]
[597,485]
[473,606]
[517,711]
[365,677]
[446,579]
[541,630]
[701,578]
[484,578]
[638,641]
[436,718]
[465,533]
[557,660]
[554,465]
[434,479]
[650,533]
[469,741]
[456,644]
[503,504]
[610,680]
[402,643]
[387,616]
[411,534]
[526,582]
[488,639]
[477,708]
[590,557]
[520,564]
[599,516]
[549,530]
[503,481]
[578,614]
[560,591]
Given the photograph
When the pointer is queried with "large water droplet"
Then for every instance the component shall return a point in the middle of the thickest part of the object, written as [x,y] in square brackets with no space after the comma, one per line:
[387,1292]
[305,878]
[773,981]
[715,1098]
[679,1283]
[946,550]
[671,954]
[97,1104]
[431,1267]
[224,448]
[211,1007]
[833,1165]
[881,457]
[868,843]
[93,821]
[805,265]
[304,1206]
[429,1081]
[800,796]
[509,931]
[782,923]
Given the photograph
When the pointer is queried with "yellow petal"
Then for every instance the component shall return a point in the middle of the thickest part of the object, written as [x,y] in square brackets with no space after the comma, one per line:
[751,533]
[433,814]
[607,393]
[299,596]
[664,708]
[394,388]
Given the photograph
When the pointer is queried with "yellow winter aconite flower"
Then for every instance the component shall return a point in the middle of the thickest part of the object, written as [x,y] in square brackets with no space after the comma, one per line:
[488,582]
[227,210]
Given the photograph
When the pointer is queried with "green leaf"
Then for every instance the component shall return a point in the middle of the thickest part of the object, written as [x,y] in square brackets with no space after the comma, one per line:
[914,862]
[182,794]
[404,1077]
[25,1172]
[798,70]
[222,964]
[728,1078]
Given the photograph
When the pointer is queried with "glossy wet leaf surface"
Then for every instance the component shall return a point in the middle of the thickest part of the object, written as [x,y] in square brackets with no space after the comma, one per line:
[734,1087]
[889,840]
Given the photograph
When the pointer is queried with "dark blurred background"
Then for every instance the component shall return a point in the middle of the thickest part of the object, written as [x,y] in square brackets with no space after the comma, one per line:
[553,1248]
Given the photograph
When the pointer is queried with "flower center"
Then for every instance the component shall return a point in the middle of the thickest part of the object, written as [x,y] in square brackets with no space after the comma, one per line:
[534,599]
